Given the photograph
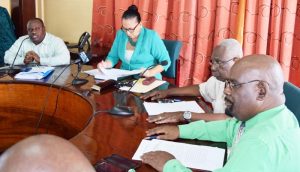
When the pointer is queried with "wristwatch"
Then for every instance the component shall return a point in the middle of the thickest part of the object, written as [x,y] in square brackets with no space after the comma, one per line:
[187,115]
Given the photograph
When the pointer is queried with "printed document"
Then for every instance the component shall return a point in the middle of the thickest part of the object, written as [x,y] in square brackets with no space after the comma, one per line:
[192,156]
[111,73]
[157,108]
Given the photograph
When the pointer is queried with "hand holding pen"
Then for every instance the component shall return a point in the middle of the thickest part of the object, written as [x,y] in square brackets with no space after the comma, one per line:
[164,132]
[152,137]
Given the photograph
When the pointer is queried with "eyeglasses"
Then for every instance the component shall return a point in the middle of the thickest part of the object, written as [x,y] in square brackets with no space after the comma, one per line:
[230,84]
[129,29]
[220,62]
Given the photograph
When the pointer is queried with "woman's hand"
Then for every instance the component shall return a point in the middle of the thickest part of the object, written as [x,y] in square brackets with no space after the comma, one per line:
[148,73]
[104,64]
[153,71]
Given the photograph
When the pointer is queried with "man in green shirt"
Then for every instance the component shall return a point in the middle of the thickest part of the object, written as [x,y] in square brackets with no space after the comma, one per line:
[263,136]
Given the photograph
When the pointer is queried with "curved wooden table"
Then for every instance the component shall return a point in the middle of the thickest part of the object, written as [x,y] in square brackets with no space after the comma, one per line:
[75,113]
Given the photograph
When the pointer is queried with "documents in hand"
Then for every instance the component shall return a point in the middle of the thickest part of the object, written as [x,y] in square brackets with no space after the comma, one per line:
[38,72]
[192,156]
[112,73]
[158,108]
[139,87]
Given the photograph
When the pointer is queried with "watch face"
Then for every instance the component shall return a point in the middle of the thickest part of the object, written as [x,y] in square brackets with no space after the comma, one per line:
[187,115]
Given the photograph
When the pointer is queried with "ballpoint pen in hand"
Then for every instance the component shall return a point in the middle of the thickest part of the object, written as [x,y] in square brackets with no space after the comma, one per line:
[151,137]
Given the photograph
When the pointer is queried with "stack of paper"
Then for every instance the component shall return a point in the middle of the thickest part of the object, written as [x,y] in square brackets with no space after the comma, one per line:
[112,73]
[192,156]
[158,108]
[39,72]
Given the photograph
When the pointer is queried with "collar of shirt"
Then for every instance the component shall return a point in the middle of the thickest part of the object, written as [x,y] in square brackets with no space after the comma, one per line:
[263,116]
[46,40]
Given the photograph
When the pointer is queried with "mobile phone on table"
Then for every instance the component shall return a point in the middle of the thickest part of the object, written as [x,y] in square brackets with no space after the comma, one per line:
[116,163]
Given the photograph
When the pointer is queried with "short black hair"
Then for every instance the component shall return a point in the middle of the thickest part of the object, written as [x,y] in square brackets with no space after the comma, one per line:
[132,12]
[36,19]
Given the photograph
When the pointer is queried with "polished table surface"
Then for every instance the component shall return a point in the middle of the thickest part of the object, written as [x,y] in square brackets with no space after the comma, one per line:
[102,134]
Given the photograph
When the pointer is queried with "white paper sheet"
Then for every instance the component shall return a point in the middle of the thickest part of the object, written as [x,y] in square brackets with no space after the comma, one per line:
[192,156]
[140,88]
[158,108]
[112,73]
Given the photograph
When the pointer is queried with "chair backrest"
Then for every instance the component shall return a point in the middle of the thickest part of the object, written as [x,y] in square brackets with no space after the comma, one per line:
[173,48]
[292,95]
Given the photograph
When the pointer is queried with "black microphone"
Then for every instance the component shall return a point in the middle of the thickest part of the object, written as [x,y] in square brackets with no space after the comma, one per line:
[11,67]
[84,58]
[125,110]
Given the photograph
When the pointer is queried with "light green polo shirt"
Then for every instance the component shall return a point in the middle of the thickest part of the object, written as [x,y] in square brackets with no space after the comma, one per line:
[270,142]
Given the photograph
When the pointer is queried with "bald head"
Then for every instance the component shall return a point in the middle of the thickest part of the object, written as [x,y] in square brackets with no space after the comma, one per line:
[255,85]
[263,67]
[44,153]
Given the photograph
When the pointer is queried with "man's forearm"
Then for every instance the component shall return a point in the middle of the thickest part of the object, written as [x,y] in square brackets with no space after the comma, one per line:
[192,90]
[208,117]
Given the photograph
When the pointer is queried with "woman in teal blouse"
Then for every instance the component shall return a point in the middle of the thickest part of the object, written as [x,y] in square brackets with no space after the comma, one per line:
[137,47]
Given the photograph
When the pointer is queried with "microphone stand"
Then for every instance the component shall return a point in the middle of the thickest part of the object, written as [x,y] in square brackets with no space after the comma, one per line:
[125,110]
[76,80]
[11,70]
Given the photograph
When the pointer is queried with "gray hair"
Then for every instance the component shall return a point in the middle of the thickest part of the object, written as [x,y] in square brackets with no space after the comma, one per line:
[233,47]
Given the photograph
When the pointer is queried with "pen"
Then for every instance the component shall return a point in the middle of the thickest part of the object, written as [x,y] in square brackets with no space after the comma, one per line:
[168,100]
[177,100]
[151,137]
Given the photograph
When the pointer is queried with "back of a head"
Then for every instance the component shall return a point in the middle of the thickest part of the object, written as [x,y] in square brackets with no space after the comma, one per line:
[44,153]
[132,12]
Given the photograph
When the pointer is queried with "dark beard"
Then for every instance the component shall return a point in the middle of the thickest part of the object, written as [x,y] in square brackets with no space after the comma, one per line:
[228,111]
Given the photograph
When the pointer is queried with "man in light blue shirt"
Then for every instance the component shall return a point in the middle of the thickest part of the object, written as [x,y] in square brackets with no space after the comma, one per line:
[263,136]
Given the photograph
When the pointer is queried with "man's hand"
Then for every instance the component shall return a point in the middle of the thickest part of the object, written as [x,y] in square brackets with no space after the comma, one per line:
[167,117]
[164,132]
[28,57]
[31,56]
[156,95]
[157,159]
